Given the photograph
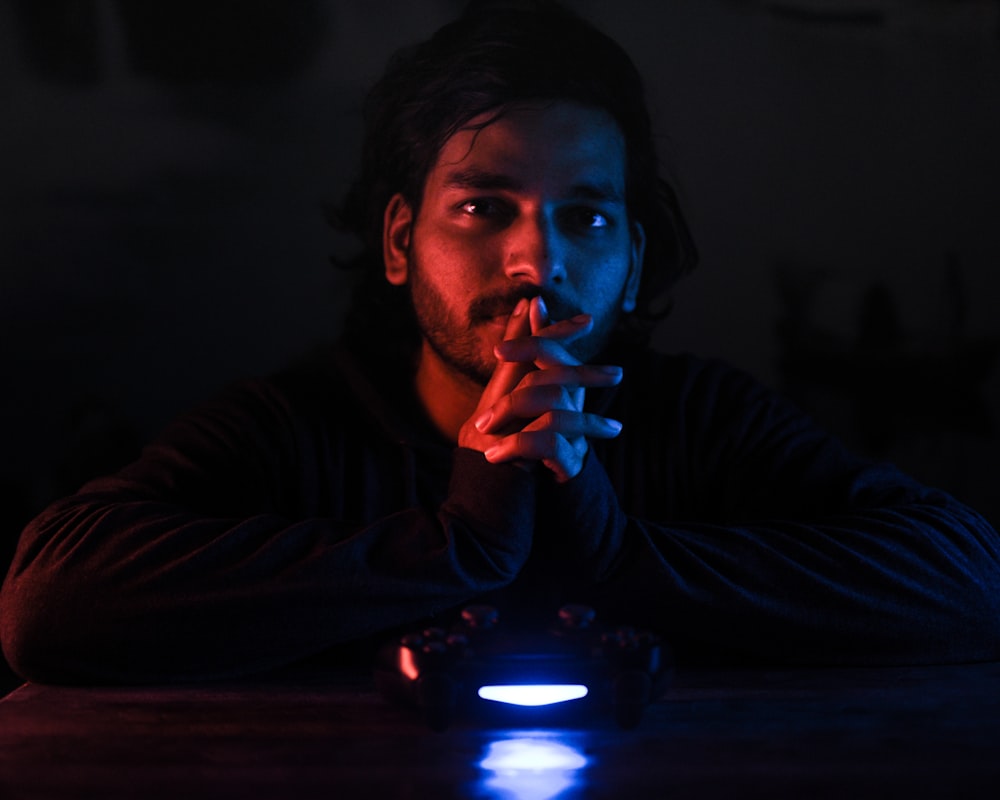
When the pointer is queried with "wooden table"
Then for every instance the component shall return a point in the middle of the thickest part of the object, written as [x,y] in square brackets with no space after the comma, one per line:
[929,732]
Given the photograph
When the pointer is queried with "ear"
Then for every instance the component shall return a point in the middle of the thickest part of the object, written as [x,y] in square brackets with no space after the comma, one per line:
[397,226]
[635,268]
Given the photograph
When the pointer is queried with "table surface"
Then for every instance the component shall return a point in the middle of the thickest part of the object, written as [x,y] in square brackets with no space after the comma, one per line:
[818,733]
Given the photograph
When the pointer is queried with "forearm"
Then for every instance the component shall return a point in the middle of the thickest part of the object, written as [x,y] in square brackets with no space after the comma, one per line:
[908,584]
[110,588]
[896,573]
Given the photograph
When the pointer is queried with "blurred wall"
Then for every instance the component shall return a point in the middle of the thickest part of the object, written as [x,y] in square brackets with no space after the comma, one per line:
[165,166]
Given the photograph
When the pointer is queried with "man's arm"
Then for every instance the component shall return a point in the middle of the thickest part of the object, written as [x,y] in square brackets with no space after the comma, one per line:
[763,537]
[726,518]
[241,541]
[235,545]
[912,579]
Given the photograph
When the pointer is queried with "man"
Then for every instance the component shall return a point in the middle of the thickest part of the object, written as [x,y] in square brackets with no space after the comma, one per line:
[491,426]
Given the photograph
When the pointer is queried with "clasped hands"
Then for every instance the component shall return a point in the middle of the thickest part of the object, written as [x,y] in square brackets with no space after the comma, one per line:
[531,411]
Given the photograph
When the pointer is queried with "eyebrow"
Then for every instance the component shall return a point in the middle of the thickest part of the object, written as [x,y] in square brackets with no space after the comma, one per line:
[481,179]
[474,178]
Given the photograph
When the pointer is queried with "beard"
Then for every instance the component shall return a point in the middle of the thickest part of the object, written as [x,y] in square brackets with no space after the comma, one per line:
[465,341]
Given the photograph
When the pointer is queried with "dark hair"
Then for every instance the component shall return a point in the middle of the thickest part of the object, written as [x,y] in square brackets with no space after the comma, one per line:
[497,53]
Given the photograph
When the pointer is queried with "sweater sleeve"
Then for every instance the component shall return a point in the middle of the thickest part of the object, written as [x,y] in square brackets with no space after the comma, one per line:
[760,536]
[196,561]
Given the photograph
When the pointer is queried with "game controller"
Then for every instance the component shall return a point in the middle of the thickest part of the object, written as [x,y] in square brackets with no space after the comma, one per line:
[476,668]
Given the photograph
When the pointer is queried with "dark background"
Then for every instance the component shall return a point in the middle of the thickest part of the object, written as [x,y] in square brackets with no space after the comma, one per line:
[165,165]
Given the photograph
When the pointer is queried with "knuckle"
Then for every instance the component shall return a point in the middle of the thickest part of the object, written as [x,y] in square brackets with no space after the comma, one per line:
[557,395]
[551,419]
[532,379]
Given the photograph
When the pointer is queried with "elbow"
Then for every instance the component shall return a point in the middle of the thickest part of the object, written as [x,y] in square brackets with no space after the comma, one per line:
[978,608]
[39,638]
[22,647]
[982,622]
[967,625]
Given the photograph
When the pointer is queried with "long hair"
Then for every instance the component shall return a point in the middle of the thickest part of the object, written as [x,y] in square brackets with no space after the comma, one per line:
[501,52]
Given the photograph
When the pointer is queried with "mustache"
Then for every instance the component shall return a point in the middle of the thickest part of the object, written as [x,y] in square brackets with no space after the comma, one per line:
[502,303]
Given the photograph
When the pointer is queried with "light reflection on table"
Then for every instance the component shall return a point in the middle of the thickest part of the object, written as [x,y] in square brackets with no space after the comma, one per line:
[863,733]
[532,765]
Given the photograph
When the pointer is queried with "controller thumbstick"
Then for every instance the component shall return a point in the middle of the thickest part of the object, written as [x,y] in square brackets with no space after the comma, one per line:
[576,617]
[480,618]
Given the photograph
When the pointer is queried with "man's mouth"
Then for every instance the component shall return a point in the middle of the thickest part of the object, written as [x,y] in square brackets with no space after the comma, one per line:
[498,315]
[496,311]
[497,319]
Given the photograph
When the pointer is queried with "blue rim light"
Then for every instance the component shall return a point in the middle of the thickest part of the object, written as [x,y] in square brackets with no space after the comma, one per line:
[533,694]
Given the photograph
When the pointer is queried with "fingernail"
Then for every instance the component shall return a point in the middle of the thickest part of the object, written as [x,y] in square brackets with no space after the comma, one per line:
[483,420]
[492,452]
[613,425]
[580,319]
[542,307]
[520,308]
[615,372]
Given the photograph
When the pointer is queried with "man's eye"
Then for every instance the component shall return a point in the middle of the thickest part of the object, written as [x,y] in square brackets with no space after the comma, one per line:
[588,218]
[482,207]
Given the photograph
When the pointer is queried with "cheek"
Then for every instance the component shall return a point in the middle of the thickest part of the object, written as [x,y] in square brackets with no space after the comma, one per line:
[451,283]
[445,271]
[606,279]
[453,261]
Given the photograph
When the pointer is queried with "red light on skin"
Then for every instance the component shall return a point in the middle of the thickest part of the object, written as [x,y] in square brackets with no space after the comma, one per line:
[533,694]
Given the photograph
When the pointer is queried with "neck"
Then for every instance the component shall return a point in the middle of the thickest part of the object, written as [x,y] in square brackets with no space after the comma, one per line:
[448,397]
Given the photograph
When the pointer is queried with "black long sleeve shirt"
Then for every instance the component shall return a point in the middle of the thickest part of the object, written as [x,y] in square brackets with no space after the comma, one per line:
[319,508]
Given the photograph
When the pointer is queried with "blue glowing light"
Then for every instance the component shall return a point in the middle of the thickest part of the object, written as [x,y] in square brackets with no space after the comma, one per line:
[531,766]
[534,754]
[533,695]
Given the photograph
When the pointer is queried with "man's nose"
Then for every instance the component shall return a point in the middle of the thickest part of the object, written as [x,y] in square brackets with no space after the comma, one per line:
[535,252]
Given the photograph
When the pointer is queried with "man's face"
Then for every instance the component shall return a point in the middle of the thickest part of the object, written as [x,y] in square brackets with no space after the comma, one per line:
[534,203]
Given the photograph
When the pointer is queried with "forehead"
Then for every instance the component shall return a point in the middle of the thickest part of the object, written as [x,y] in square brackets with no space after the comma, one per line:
[544,146]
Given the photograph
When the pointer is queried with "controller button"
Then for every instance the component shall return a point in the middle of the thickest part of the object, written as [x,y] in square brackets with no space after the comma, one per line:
[576,617]
[626,637]
[435,647]
[480,617]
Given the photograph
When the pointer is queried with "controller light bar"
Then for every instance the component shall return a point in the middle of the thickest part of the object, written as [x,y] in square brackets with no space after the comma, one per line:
[533,694]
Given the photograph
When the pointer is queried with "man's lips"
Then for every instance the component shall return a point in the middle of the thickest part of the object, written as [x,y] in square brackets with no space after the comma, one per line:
[497,310]
[493,316]
[496,320]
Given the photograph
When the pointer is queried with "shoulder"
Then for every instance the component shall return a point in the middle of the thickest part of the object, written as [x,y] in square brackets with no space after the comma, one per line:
[267,413]
[694,387]
[715,412]
[318,383]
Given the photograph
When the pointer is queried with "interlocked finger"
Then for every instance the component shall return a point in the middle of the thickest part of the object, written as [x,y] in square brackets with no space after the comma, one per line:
[563,456]
[525,443]
[574,377]
[575,423]
[527,404]
[542,351]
